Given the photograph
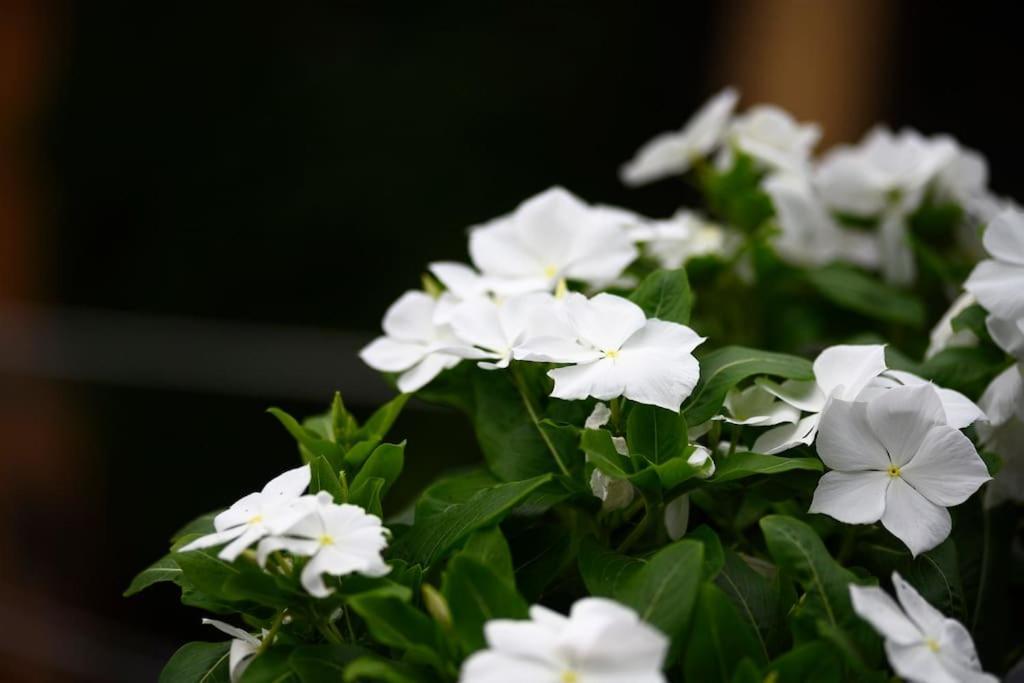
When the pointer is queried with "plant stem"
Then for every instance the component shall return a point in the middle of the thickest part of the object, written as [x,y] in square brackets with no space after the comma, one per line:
[272,633]
[638,531]
[520,383]
[616,408]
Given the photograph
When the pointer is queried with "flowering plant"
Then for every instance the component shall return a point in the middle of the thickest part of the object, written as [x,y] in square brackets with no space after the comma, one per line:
[712,443]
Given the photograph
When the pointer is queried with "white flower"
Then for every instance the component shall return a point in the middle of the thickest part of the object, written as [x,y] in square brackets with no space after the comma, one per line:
[885,169]
[497,326]
[673,153]
[272,510]
[885,176]
[615,494]
[600,641]
[550,237]
[841,372]
[809,235]
[772,137]
[338,539]
[244,647]
[615,351]
[998,283]
[1003,403]
[756,406]
[674,241]
[895,459]
[943,336]
[414,343]
[922,645]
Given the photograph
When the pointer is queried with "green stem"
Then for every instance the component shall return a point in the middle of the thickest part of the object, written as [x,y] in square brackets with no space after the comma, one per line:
[520,383]
[272,633]
[616,408]
[329,632]
[348,624]
[638,531]
[734,439]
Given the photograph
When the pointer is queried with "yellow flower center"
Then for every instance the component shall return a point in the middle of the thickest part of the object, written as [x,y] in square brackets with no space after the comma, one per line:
[326,540]
[611,353]
[255,519]
[932,644]
[893,471]
[569,677]
[550,270]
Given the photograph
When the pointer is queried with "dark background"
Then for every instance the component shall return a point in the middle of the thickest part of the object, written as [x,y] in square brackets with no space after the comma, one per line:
[205,210]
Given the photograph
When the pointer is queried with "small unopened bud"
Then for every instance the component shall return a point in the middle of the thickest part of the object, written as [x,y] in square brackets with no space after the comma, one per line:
[437,606]
[701,459]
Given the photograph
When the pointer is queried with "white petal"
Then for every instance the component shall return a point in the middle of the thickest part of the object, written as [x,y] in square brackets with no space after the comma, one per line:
[1004,237]
[912,518]
[288,485]
[917,663]
[1004,396]
[476,322]
[657,366]
[605,321]
[928,620]
[497,250]
[389,355]
[902,416]
[1007,334]
[848,368]
[958,655]
[300,547]
[411,317]
[788,436]
[216,538]
[600,379]
[897,261]
[526,639]
[851,497]
[960,411]
[677,517]
[873,605]
[555,350]
[232,631]
[239,657]
[997,286]
[461,280]
[846,440]
[805,395]
[599,416]
[427,369]
[231,551]
[943,336]
[488,666]
[946,469]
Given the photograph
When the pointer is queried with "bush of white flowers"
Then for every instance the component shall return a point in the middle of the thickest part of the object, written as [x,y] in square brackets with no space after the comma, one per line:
[713,444]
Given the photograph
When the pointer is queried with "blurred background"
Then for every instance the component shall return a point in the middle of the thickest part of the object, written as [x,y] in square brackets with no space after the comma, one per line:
[205,210]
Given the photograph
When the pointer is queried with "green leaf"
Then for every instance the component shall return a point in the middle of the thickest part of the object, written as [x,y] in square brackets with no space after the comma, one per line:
[747,672]
[452,490]
[197,662]
[232,582]
[512,444]
[367,494]
[310,443]
[475,595]
[719,639]
[800,551]
[395,623]
[972,318]
[664,589]
[324,478]
[200,526]
[657,434]
[385,462]
[714,555]
[746,464]
[757,598]
[271,666]
[323,663]
[813,661]
[854,290]
[378,425]
[384,671]
[604,571]
[164,569]
[428,540]
[724,368]
[489,548]
[597,444]
[357,455]
[665,294]
[965,369]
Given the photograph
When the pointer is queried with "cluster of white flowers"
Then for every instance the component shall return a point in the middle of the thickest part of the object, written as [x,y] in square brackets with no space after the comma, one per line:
[336,539]
[883,179]
[516,305]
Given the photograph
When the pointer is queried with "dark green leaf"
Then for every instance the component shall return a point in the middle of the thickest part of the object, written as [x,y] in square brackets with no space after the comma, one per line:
[195,662]
[714,555]
[746,464]
[310,443]
[813,661]
[272,666]
[396,623]
[200,526]
[724,368]
[757,598]
[861,293]
[475,595]
[385,462]
[381,670]
[323,663]
[324,478]
[719,639]
[657,434]
[664,589]
[597,444]
[604,571]
[367,494]
[164,569]
[378,425]
[965,369]
[452,490]
[489,548]
[665,294]
[428,541]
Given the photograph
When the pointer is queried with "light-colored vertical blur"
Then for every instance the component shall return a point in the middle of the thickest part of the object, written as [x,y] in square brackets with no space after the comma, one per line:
[822,60]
